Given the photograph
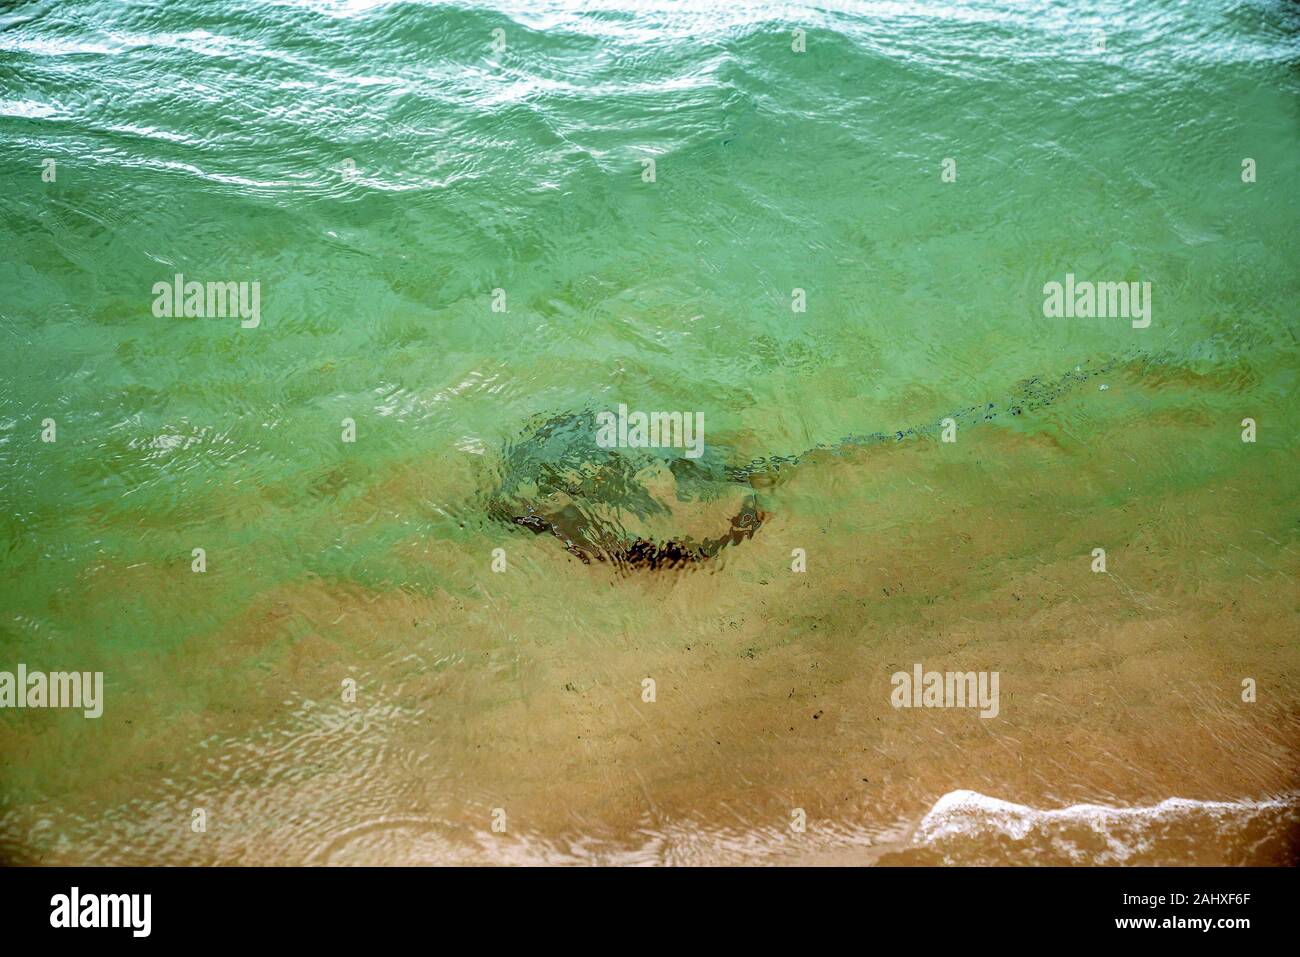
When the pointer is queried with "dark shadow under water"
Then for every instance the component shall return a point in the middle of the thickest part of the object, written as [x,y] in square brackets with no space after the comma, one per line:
[555,479]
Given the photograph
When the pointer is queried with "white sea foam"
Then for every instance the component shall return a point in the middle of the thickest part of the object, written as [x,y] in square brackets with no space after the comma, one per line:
[1096,833]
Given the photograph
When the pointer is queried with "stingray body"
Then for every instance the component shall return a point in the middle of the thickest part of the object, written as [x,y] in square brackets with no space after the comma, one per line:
[653,508]
[620,505]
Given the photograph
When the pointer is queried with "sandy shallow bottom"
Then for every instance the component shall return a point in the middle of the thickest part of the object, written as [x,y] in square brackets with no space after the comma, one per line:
[1122,735]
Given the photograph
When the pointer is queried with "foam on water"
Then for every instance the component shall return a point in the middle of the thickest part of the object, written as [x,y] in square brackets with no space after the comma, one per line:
[966,826]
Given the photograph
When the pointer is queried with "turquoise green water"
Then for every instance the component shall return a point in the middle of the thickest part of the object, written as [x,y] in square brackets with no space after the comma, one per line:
[381,168]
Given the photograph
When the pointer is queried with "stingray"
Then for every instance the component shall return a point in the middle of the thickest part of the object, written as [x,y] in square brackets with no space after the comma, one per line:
[628,506]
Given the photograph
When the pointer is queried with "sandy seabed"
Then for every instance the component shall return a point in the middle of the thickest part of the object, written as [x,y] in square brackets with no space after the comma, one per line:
[1122,735]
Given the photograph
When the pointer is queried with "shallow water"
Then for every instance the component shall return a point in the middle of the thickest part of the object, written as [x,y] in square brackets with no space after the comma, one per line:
[380,169]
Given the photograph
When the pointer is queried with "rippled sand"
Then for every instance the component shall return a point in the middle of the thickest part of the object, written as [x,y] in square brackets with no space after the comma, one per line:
[383,173]
[1120,692]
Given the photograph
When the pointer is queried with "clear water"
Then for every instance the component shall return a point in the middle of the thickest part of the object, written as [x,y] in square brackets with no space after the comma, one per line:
[381,168]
